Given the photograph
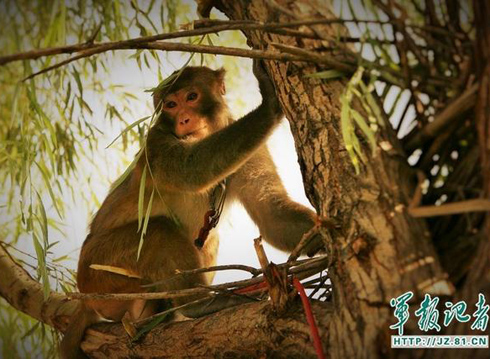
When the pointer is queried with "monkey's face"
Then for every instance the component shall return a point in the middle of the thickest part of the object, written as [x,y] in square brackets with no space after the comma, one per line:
[193,106]
[184,109]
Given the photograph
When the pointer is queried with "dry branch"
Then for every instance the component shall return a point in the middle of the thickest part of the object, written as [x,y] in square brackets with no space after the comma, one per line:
[302,269]
[472,205]
[173,46]
[248,331]
[24,293]
[463,103]
[201,27]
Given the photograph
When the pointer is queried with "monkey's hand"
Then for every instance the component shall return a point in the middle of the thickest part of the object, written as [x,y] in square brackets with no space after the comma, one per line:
[269,98]
[315,246]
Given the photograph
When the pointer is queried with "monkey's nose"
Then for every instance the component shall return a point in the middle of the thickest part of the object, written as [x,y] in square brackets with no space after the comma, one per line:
[185,121]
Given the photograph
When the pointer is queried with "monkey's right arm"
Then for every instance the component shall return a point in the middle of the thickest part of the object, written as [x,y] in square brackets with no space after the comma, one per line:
[281,221]
[200,165]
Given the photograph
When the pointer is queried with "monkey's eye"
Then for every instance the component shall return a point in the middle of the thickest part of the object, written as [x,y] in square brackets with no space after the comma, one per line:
[170,104]
[192,96]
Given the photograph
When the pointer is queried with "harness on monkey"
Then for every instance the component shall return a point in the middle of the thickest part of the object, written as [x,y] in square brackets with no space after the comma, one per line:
[211,218]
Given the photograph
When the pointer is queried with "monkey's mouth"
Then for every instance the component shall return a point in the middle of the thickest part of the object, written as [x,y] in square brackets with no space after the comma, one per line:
[194,134]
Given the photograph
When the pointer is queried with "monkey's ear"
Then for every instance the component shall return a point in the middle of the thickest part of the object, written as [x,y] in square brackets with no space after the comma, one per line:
[220,79]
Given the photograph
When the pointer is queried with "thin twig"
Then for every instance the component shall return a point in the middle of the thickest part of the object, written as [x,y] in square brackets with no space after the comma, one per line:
[202,27]
[461,104]
[173,309]
[312,56]
[305,240]
[472,205]
[304,269]
[254,271]
[173,46]
[418,193]
[273,5]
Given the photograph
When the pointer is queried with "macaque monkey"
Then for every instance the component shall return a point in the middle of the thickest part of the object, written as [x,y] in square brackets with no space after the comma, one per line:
[192,147]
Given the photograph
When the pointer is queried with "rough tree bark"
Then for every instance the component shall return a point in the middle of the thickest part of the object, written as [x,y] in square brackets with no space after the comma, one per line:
[248,331]
[21,291]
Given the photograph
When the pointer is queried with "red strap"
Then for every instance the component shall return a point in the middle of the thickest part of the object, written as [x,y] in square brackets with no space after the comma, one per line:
[306,305]
[310,318]
[209,223]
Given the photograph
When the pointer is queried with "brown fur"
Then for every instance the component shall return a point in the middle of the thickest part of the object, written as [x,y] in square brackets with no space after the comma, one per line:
[190,149]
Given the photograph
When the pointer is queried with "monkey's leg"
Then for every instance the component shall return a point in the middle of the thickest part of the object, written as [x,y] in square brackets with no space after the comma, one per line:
[175,251]
[167,250]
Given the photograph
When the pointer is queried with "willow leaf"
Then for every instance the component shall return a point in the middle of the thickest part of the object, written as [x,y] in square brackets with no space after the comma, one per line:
[42,269]
[45,176]
[128,128]
[327,75]
[371,101]
[365,129]
[43,221]
[347,131]
[141,198]
[126,173]
[145,224]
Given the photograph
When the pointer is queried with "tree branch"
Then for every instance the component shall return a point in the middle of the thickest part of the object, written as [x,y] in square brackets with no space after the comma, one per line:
[302,269]
[247,331]
[461,104]
[24,293]
[173,46]
[202,27]
[446,209]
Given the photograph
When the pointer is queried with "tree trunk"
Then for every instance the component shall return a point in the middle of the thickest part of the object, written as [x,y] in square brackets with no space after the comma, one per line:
[380,252]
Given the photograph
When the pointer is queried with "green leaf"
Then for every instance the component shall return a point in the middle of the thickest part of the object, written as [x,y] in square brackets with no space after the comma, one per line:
[42,270]
[44,174]
[44,220]
[62,24]
[141,198]
[126,173]
[15,99]
[347,132]
[145,224]
[146,328]
[61,259]
[365,129]
[327,75]
[372,104]
[127,129]
[76,75]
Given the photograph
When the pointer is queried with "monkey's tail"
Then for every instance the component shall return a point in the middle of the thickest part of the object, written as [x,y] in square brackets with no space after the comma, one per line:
[70,345]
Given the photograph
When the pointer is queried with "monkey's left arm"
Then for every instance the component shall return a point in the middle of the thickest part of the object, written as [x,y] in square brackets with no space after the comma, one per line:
[281,221]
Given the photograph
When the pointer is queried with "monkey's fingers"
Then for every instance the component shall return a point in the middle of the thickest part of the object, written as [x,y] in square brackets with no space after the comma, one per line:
[267,89]
[315,246]
[265,84]
[259,69]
